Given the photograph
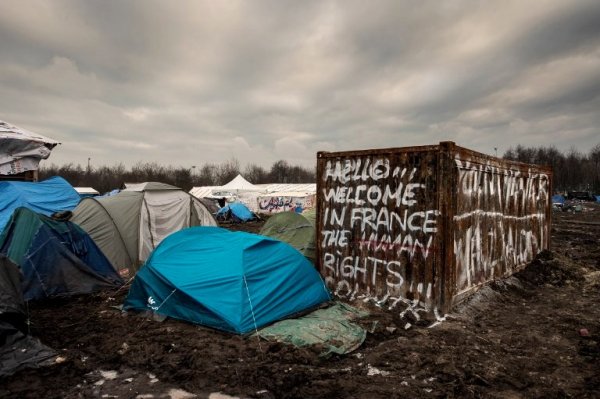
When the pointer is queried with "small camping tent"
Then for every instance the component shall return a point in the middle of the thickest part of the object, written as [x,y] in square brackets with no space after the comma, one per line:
[55,257]
[129,225]
[294,229]
[236,212]
[46,197]
[231,281]
[18,350]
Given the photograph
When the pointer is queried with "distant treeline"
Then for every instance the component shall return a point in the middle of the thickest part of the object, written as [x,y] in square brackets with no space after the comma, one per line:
[106,178]
[573,171]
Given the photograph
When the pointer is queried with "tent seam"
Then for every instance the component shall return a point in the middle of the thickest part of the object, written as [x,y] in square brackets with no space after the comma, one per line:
[114,224]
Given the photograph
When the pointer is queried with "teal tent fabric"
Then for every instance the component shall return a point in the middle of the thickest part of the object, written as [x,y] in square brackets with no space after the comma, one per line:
[46,197]
[231,281]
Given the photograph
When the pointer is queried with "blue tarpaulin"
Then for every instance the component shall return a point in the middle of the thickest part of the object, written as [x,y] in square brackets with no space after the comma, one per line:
[558,199]
[239,212]
[597,198]
[231,281]
[46,197]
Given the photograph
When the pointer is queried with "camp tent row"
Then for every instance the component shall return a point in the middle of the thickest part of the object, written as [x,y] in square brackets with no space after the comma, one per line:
[126,226]
[129,225]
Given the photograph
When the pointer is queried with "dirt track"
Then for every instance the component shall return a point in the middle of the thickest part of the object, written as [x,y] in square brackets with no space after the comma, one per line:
[518,338]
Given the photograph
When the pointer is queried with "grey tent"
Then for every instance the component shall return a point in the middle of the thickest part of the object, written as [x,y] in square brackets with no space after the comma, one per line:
[211,205]
[18,350]
[129,225]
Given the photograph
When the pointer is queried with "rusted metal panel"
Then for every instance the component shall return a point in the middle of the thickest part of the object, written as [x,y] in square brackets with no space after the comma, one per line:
[501,217]
[421,227]
[377,226]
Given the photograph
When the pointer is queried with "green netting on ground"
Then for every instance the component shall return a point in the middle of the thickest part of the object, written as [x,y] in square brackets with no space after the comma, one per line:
[332,328]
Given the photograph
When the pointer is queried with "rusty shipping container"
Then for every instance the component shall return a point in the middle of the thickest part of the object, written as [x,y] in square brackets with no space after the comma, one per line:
[423,227]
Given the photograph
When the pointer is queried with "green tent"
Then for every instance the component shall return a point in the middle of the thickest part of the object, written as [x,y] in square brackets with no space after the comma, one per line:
[296,229]
[129,225]
[56,257]
[310,215]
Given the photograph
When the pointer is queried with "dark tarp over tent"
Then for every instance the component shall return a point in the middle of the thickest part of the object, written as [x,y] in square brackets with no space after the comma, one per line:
[231,281]
[294,229]
[129,225]
[55,257]
[46,197]
[18,350]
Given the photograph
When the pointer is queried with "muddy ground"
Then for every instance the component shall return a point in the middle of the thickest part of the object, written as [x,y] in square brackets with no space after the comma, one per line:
[534,335]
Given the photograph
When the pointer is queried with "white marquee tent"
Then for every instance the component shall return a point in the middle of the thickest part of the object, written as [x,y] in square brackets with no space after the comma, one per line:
[262,198]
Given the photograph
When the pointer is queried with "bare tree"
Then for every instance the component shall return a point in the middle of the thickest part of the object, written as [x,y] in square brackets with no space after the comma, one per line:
[256,174]
[228,170]
[107,178]
[573,171]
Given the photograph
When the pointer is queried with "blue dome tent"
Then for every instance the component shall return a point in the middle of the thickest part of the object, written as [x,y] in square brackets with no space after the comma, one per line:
[231,281]
[236,212]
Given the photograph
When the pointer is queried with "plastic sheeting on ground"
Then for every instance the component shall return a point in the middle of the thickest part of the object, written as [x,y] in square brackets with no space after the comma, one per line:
[332,328]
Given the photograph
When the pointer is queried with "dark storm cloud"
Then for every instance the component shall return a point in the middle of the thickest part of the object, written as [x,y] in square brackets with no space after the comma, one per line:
[192,82]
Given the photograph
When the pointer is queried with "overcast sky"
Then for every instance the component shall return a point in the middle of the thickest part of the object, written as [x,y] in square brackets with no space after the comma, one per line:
[185,83]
